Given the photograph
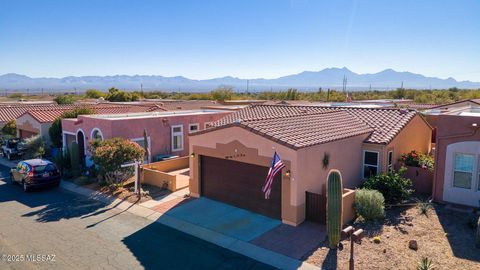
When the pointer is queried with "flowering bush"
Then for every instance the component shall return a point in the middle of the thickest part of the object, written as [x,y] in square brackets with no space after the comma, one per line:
[110,154]
[420,160]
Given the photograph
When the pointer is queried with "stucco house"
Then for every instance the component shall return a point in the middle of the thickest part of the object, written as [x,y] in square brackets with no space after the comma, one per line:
[9,112]
[229,162]
[457,158]
[38,121]
[167,131]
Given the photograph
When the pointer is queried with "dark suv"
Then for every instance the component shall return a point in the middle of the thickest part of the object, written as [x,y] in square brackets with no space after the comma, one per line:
[35,173]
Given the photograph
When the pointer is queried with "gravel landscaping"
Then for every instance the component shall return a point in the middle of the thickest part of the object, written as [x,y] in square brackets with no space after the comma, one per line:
[445,236]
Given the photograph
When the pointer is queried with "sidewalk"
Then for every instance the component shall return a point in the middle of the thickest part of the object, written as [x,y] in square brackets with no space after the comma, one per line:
[233,244]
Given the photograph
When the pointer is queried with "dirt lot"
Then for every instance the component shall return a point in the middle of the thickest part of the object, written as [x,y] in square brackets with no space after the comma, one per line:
[445,236]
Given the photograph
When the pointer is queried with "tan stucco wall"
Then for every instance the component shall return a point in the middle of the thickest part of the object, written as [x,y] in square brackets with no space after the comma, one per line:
[26,122]
[257,150]
[415,136]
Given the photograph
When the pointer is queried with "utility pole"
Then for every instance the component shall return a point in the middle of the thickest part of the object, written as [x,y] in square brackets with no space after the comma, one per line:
[401,87]
[248,81]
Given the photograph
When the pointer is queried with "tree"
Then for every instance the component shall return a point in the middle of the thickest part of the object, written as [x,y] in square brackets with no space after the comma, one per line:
[10,128]
[55,130]
[34,147]
[115,95]
[223,93]
[94,93]
[110,154]
[65,99]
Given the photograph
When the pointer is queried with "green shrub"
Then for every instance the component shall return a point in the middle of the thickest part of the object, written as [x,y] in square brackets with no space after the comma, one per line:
[420,160]
[369,204]
[10,128]
[392,185]
[55,130]
[34,147]
[94,93]
[65,99]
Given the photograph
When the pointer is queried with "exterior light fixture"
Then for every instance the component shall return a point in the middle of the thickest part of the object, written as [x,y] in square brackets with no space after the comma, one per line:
[192,155]
[287,173]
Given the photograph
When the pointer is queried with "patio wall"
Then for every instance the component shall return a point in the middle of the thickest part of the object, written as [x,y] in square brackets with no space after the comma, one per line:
[422,179]
[156,173]
[348,198]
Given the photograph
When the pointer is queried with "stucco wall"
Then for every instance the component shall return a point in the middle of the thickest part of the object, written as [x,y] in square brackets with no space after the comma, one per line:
[26,122]
[158,129]
[451,129]
[415,136]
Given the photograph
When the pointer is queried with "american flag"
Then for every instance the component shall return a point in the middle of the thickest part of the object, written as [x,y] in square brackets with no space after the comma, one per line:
[277,166]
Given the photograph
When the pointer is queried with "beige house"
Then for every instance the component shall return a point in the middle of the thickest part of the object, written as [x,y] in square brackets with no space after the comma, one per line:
[230,160]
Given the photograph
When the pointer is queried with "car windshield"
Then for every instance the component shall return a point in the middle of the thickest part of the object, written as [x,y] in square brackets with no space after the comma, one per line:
[39,168]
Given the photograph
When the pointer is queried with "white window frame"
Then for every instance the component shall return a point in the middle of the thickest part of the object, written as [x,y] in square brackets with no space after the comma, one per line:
[363,163]
[193,125]
[472,183]
[389,162]
[149,157]
[99,131]
[205,124]
[179,133]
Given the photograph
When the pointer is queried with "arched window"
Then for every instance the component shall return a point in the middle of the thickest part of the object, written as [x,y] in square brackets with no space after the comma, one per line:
[97,134]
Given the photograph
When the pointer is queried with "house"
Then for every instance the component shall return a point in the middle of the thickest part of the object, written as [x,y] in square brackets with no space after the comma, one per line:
[230,160]
[38,121]
[457,158]
[167,131]
[9,112]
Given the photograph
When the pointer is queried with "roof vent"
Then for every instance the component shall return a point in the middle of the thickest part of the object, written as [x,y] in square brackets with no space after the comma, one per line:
[403,111]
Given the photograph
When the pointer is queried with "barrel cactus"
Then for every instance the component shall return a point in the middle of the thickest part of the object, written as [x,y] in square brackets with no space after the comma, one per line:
[75,160]
[334,207]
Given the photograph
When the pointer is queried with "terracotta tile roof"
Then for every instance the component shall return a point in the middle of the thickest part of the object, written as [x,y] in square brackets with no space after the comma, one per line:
[49,115]
[12,112]
[308,130]
[385,123]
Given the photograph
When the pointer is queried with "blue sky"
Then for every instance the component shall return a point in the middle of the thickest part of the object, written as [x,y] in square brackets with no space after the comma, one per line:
[244,38]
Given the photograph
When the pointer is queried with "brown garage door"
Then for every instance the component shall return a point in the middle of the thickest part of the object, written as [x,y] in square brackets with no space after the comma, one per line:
[240,184]
[26,134]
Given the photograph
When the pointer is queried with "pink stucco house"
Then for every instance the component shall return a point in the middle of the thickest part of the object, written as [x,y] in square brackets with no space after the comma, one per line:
[457,158]
[229,162]
[168,132]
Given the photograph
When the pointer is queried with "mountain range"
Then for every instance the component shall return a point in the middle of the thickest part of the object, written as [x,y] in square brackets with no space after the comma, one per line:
[307,80]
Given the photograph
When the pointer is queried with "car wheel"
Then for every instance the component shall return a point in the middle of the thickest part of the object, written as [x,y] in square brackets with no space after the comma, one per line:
[25,187]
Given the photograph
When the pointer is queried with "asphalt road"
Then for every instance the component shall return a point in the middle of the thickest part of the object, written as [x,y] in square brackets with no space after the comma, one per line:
[57,229]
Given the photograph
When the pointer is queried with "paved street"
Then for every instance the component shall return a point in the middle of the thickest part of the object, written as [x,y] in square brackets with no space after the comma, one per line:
[84,234]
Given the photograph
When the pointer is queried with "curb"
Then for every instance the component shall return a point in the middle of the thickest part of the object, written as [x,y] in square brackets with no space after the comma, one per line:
[244,248]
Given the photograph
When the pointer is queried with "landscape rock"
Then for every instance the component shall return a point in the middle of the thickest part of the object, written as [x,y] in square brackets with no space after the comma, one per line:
[412,244]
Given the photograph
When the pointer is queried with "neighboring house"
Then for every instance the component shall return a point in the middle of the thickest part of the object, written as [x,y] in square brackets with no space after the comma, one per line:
[9,112]
[38,121]
[457,158]
[450,108]
[167,131]
[230,160]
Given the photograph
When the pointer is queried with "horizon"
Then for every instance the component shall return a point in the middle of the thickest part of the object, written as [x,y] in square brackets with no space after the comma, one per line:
[242,39]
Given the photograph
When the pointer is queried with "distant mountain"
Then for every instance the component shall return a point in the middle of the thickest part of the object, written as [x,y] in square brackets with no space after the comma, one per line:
[307,80]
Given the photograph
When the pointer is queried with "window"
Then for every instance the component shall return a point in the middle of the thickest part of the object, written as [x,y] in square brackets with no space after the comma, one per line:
[207,124]
[463,170]
[370,164]
[96,134]
[177,138]
[390,161]
[193,128]
[141,142]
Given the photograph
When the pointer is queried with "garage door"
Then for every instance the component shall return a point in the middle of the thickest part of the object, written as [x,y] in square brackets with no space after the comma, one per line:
[26,134]
[240,184]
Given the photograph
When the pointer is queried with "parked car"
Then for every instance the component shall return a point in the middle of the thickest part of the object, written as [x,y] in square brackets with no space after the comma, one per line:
[12,148]
[34,173]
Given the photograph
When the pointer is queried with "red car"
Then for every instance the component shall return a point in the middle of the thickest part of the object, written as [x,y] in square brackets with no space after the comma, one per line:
[34,173]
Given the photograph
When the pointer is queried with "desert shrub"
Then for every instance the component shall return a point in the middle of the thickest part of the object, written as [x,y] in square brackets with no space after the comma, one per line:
[115,95]
[420,160]
[425,264]
[34,147]
[110,154]
[10,128]
[65,99]
[423,207]
[369,204]
[392,185]
[94,93]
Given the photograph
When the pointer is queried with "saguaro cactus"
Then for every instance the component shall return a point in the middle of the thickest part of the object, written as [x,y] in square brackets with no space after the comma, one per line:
[334,207]
[75,160]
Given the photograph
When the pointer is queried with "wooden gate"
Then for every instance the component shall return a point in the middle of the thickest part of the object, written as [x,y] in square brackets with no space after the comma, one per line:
[315,207]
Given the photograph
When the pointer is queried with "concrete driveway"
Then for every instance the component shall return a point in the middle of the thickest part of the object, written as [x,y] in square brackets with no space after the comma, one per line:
[87,234]
[223,218]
